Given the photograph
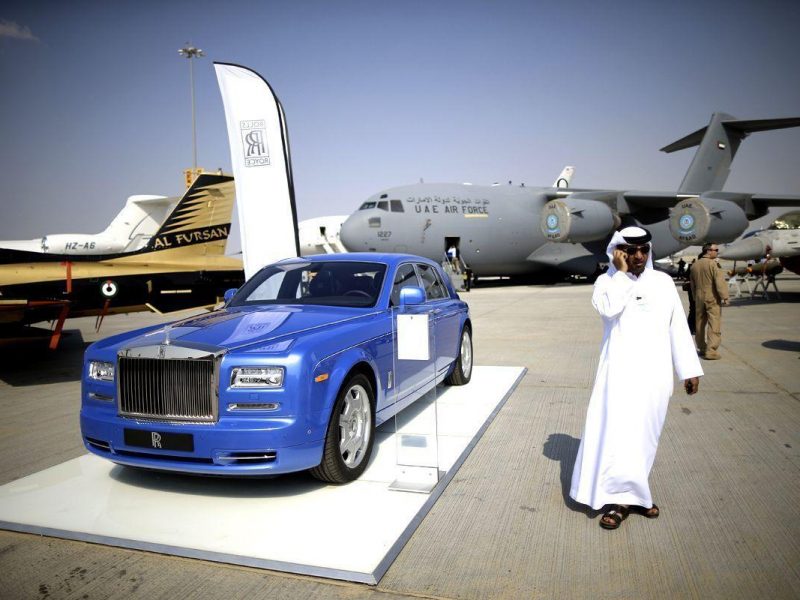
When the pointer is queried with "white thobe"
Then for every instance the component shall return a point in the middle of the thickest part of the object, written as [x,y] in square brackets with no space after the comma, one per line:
[644,335]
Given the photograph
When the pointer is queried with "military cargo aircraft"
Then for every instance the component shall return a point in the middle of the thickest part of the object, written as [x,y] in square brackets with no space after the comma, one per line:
[183,265]
[507,230]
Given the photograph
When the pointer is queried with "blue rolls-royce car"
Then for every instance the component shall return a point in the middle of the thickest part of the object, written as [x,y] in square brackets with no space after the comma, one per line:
[294,373]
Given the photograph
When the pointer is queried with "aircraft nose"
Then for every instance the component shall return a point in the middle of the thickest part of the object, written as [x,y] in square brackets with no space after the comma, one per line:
[352,233]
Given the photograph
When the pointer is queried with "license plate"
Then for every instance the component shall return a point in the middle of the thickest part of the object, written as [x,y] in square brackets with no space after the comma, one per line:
[159,440]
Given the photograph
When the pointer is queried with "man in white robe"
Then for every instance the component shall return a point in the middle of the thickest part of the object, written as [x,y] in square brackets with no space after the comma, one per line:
[645,335]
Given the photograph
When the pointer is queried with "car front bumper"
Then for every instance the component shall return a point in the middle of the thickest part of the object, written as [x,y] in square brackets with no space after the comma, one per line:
[237,447]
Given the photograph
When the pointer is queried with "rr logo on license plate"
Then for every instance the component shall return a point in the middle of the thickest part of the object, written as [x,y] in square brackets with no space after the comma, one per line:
[159,440]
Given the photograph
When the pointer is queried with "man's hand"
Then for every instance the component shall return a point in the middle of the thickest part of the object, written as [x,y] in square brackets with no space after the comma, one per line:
[692,385]
[725,302]
[620,260]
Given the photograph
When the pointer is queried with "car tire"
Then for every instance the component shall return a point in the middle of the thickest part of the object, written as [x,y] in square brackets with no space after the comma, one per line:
[462,371]
[351,433]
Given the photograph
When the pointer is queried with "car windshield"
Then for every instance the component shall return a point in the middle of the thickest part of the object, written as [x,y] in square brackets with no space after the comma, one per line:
[355,284]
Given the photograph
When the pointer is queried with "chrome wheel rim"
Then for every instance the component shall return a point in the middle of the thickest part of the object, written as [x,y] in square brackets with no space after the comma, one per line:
[466,354]
[355,426]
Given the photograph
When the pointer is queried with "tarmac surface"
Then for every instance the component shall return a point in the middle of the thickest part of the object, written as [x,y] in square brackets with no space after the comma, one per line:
[727,476]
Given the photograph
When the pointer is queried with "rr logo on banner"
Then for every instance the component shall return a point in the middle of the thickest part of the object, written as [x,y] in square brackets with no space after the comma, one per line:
[254,143]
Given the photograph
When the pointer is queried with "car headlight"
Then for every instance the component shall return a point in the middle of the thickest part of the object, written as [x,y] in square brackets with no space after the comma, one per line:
[248,377]
[101,371]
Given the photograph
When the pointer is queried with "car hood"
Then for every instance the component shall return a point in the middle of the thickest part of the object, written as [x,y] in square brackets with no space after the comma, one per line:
[267,328]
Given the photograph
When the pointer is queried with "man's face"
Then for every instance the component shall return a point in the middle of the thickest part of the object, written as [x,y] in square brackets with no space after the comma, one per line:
[636,257]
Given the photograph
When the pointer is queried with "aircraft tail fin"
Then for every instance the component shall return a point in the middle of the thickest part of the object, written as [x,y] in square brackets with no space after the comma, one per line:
[138,220]
[718,143]
[564,179]
[201,216]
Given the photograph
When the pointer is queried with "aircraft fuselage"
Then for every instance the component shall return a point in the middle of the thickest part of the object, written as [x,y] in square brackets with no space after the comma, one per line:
[495,227]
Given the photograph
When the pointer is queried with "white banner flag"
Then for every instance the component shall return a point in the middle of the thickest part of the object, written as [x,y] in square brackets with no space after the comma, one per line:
[262,167]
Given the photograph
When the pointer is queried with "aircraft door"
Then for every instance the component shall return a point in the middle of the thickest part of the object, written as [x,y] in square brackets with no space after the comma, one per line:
[452,250]
[454,266]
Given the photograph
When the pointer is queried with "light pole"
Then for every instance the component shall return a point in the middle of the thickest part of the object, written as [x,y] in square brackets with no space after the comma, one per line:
[189,52]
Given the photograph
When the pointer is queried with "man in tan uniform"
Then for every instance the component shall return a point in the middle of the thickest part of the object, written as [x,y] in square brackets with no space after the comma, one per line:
[710,294]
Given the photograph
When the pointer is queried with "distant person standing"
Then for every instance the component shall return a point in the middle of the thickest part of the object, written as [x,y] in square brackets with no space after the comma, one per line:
[687,287]
[765,260]
[452,257]
[681,267]
[710,295]
[645,337]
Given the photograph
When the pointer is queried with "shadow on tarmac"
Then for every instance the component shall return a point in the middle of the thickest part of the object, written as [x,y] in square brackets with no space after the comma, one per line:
[786,298]
[564,449]
[788,345]
[33,363]
[544,279]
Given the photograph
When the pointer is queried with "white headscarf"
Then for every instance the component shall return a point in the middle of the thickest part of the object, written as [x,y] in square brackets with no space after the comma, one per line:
[618,239]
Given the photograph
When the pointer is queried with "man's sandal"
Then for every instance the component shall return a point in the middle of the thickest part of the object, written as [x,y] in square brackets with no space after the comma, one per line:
[615,516]
[650,513]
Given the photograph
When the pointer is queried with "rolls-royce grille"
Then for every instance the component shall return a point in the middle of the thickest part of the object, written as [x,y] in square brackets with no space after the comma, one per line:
[167,389]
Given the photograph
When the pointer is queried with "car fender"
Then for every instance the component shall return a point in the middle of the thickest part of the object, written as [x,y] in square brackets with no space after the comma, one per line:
[337,367]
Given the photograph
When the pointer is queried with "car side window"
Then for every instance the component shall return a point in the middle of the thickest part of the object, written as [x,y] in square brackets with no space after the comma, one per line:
[442,284]
[404,277]
[434,288]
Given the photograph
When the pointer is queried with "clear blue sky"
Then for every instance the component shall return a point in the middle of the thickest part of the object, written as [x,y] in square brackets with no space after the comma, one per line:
[94,98]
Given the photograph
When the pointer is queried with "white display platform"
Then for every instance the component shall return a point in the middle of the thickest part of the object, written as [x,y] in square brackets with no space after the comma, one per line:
[289,523]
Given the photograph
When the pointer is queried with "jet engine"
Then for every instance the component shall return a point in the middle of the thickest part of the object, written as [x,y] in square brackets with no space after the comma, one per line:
[697,220]
[576,220]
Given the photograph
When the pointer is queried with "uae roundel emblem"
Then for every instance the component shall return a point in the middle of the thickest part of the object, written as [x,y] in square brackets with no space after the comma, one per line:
[109,289]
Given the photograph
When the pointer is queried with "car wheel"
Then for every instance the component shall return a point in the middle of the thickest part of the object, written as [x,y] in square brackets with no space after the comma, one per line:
[462,371]
[351,432]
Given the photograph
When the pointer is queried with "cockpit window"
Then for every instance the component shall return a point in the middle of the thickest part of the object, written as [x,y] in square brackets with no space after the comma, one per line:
[383,205]
[397,206]
[367,205]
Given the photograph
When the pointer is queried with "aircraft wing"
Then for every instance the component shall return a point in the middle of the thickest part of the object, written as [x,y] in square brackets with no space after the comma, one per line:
[753,204]
[645,200]
[620,198]
[589,215]
[11,256]
[775,200]
[633,201]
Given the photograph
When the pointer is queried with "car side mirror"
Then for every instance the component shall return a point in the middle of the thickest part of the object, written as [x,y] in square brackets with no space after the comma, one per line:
[229,294]
[412,295]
